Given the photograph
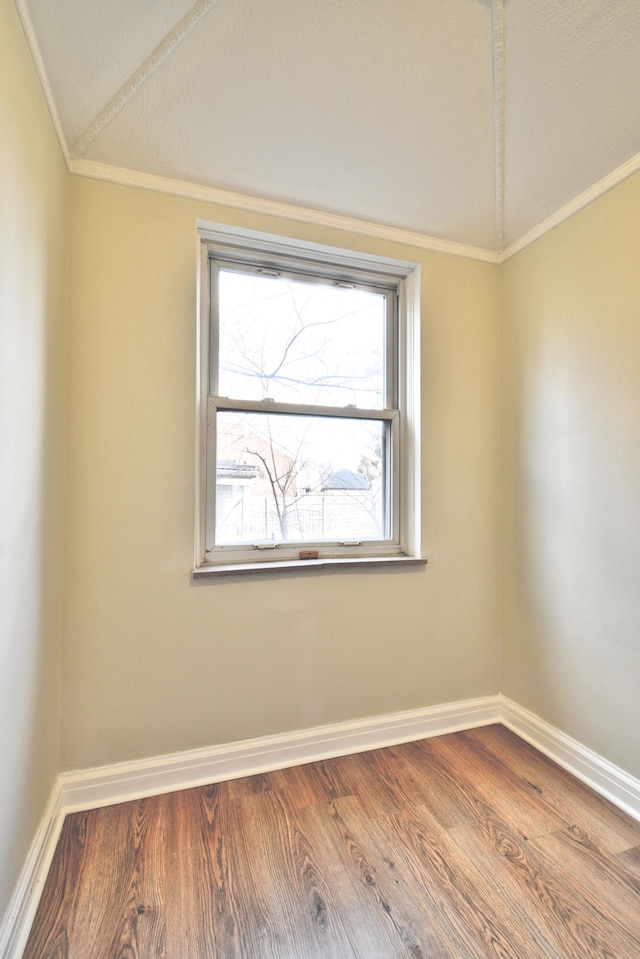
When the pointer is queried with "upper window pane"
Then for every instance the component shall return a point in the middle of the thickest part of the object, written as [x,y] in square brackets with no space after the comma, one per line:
[296,341]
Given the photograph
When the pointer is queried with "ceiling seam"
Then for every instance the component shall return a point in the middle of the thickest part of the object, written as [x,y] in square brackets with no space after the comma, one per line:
[141,75]
[498,117]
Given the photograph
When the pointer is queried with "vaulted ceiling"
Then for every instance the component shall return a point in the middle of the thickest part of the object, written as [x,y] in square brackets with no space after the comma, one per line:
[470,121]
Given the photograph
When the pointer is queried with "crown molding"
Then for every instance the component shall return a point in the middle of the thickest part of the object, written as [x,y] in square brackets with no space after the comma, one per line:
[578,203]
[253,204]
[181,188]
[36,55]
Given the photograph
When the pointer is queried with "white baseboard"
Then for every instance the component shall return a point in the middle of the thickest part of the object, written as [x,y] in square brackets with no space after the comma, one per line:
[16,924]
[603,776]
[106,785]
[90,788]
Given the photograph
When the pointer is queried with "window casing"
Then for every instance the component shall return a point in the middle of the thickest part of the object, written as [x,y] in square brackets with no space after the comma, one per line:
[307,436]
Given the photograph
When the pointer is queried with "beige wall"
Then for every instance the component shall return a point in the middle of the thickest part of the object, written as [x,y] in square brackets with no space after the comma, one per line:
[571,477]
[33,201]
[154,663]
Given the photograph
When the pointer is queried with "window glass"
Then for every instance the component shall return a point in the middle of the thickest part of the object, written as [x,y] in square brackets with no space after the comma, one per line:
[298,341]
[284,478]
[308,406]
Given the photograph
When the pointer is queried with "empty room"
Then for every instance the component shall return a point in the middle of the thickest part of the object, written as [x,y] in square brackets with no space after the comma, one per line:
[320,479]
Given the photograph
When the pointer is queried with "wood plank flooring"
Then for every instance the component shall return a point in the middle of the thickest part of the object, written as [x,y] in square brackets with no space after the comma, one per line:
[464,846]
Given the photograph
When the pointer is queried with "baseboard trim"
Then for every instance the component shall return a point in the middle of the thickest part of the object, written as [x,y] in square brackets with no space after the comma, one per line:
[88,789]
[16,924]
[604,777]
[121,782]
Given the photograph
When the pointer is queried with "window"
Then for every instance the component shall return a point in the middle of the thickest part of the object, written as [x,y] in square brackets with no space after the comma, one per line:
[308,405]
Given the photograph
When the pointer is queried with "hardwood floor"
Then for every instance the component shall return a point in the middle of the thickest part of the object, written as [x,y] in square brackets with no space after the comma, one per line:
[464,846]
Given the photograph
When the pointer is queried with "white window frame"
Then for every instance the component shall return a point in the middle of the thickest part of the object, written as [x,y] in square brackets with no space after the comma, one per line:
[223,242]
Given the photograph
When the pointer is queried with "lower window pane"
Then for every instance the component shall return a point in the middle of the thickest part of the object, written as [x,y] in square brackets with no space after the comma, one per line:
[299,479]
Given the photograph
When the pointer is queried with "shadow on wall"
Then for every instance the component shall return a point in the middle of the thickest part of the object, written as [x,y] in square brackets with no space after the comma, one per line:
[573,525]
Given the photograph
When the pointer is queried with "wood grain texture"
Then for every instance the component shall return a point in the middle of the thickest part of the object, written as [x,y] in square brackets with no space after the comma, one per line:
[630,859]
[517,799]
[383,908]
[570,798]
[466,846]
[561,914]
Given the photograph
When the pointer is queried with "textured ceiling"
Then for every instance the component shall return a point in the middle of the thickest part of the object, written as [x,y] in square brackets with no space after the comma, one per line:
[470,121]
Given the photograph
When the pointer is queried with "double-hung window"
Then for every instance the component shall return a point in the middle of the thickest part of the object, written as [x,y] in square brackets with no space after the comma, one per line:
[308,405]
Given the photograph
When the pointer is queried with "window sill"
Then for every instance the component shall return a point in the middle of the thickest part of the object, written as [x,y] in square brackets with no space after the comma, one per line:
[295,565]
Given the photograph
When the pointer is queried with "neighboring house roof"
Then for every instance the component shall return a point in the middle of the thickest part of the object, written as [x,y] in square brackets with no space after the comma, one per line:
[345,479]
[229,469]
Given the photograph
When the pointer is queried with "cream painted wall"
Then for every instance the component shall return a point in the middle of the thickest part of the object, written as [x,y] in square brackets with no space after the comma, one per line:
[33,203]
[571,477]
[154,663]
